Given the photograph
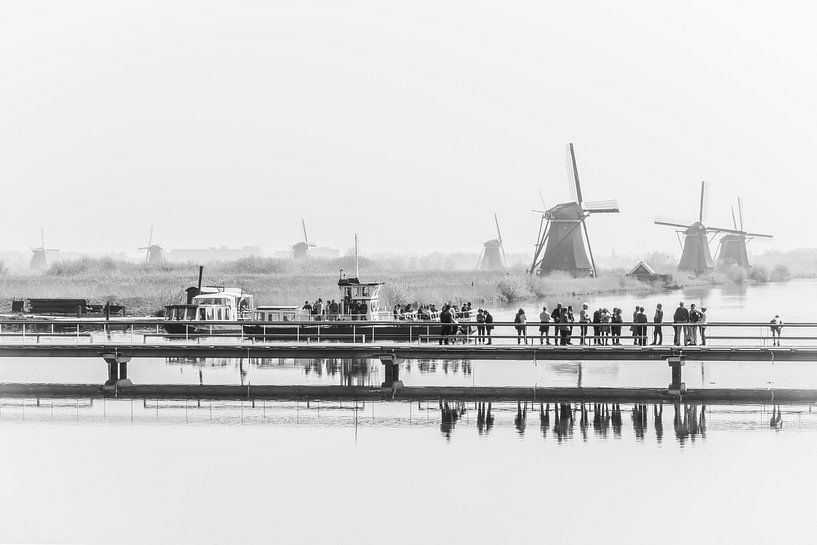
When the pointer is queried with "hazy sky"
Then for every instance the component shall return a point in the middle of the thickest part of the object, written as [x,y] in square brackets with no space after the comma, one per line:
[412,123]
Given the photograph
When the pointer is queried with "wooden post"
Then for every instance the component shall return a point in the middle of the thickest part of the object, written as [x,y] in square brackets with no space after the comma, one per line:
[676,363]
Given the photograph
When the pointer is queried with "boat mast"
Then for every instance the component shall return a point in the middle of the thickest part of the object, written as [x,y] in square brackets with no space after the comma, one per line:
[357,270]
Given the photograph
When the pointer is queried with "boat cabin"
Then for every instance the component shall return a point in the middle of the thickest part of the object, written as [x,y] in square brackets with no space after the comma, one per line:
[214,304]
[280,313]
[360,300]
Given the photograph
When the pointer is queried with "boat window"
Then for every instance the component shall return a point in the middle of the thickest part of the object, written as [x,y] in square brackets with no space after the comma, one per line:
[227,314]
[289,316]
[202,314]
[365,290]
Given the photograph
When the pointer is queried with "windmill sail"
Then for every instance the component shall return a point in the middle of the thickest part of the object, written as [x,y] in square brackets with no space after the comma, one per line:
[563,242]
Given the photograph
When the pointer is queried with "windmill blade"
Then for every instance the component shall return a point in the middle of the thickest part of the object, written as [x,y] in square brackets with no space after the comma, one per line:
[303,225]
[734,223]
[573,175]
[601,207]
[701,212]
[542,200]
[498,233]
[504,259]
[761,235]
[740,212]
[150,237]
[42,238]
[661,220]
[590,249]
[479,259]
[723,230]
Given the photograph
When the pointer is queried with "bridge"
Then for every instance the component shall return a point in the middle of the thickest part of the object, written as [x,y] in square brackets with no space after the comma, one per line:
[118,341]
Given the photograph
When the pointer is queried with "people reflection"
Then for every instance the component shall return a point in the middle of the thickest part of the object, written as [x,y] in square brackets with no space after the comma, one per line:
[521,417]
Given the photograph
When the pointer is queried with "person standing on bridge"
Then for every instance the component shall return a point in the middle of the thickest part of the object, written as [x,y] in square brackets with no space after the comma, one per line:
[615,329]
[480,326]
[597,326]
[641,319]
[445,320]
[544,326]
[702,326]
[521,327]
[777,329]
[489,325]
[556,317]
[584,318]
[692,330]
[634,328]
[680,317]
[657,320]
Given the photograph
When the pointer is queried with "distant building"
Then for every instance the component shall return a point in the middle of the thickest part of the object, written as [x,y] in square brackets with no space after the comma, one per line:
[205,255]
[643,272]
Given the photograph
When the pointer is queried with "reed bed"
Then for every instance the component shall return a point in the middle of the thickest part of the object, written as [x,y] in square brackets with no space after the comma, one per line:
[145,290]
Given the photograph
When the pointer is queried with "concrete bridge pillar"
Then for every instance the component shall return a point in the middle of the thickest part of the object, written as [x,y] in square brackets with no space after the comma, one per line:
[117,371]
[391,367]
[676,364]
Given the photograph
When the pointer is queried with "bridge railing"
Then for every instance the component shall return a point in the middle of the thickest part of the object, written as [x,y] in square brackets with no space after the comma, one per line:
[152,330]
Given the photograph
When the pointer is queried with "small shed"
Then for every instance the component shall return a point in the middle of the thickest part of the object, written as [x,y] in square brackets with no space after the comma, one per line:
[643,272]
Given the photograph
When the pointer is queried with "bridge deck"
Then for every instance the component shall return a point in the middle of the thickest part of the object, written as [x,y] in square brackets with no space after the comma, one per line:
[412,351]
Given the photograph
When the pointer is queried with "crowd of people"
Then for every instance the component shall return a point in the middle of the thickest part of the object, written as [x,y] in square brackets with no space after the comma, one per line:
[689,326]
[331,310]
[556,327]
[607,326]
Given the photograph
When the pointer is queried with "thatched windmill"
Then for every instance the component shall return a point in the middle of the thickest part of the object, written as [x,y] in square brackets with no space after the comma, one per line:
[733,245]
[492,257]
[560,244]
[154,253]
[696,256]
[39,256]
[300,250]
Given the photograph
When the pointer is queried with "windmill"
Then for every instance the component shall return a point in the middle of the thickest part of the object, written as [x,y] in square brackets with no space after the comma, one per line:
[39,256]
[154,254]
[696,256]
[300,250]
[733,245]
[492,257]
[560,246]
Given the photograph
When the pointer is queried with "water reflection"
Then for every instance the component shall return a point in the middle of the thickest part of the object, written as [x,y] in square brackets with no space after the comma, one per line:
[560,422]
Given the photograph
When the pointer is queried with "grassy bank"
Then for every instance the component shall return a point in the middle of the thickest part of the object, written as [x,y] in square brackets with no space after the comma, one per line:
[146,290]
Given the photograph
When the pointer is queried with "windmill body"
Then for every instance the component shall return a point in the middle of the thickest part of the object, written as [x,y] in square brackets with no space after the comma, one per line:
[154,253]
[733,245]
[696,256]
[563,243]
[39,256]
[493,252]
[733,250]
[300,250]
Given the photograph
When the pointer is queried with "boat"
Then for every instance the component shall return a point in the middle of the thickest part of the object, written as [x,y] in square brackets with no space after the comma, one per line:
[360,318]
[219,309]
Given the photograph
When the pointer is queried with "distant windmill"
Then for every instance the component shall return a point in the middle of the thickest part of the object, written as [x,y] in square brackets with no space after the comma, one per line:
[154,254]
[696,256]
[733,245]
[39,256]
[492,257]
[560,246]
[300,250]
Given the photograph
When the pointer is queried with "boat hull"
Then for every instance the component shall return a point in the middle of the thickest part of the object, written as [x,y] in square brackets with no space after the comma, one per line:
[347,332]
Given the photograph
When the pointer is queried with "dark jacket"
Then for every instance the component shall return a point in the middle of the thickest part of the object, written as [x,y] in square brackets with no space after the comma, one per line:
[659,317]
[681,315]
